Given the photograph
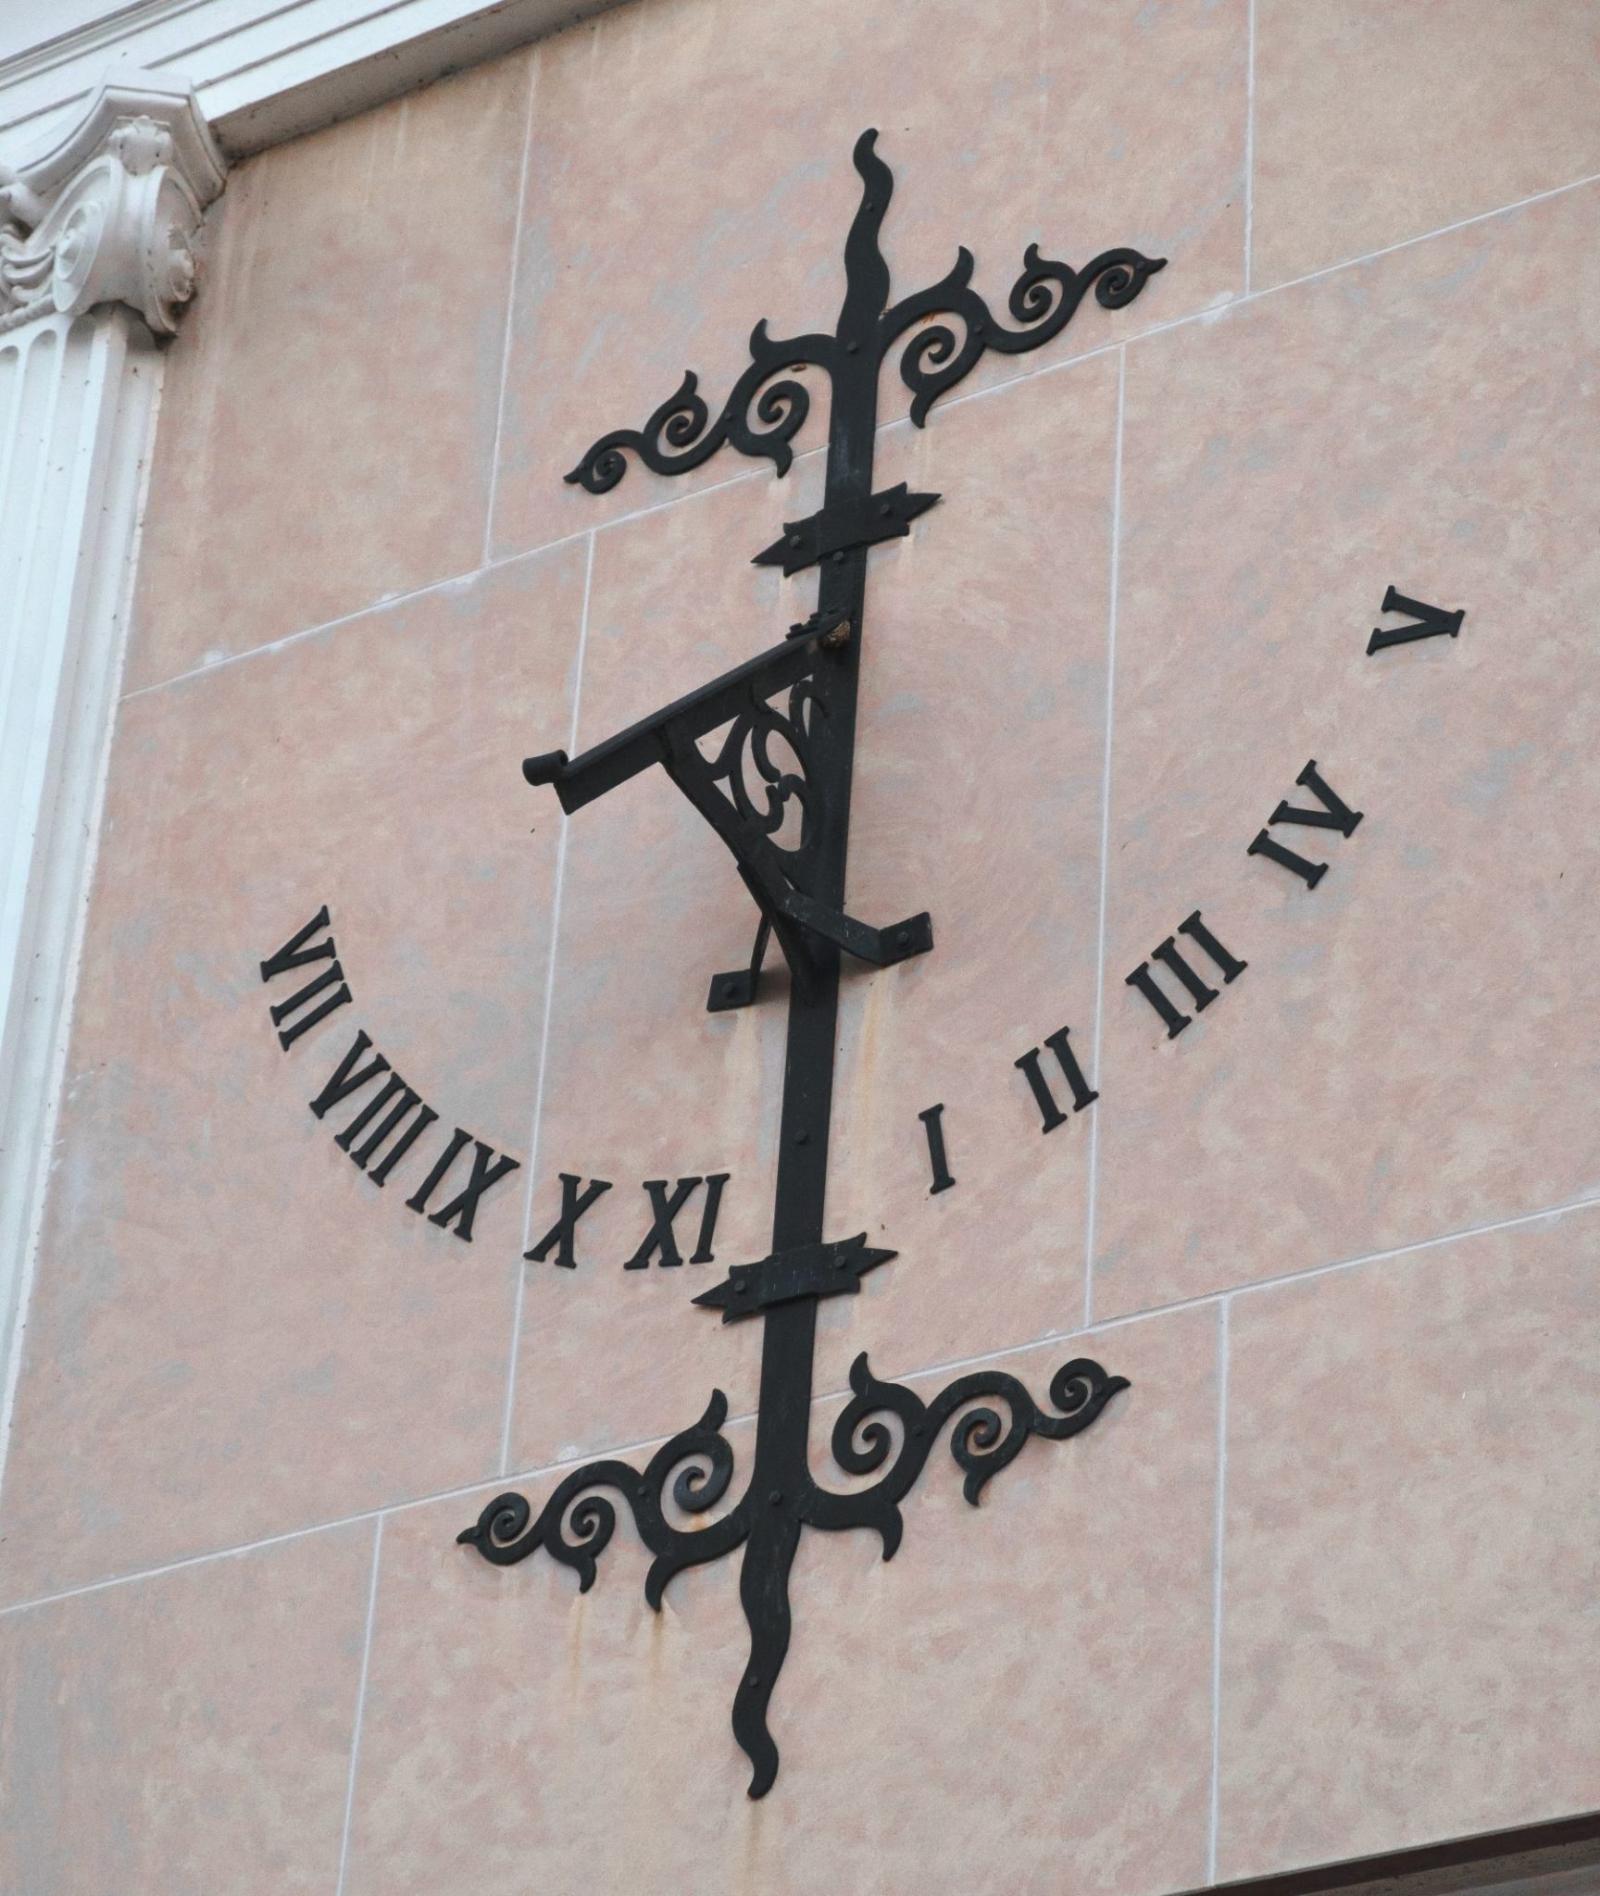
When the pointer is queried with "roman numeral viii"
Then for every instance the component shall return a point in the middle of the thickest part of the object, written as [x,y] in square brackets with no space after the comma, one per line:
[1334,814]
[1200,994]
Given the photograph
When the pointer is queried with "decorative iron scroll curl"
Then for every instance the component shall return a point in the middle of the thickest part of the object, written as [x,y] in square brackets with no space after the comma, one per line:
[982,1443]
[748,744]
[680,435]
[576,1524]
[1044,298]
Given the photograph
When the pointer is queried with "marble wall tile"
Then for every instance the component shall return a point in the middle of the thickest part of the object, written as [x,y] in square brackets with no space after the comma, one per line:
[1376,122]
[1023,1694]
[189,1732]
[1409,1630]
[1414,1048]
[233,1333]
[1080,126]
[328,422]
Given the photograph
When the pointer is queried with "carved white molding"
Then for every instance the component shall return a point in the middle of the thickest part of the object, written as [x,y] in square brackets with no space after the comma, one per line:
[109,214]
[96,259]
[77,402]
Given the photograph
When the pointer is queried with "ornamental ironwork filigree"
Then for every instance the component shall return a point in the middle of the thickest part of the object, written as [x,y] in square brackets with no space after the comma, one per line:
[576,1524]
[782,728]
[748,745]
[680,435]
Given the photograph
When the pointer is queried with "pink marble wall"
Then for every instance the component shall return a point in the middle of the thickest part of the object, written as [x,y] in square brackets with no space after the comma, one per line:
[1322,1581]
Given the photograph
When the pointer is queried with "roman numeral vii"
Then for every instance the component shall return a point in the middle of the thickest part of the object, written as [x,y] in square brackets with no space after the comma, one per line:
[295,953]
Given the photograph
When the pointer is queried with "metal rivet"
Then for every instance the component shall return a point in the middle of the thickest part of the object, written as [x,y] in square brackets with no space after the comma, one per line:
[776,1498]
[802,1137]
[838,558]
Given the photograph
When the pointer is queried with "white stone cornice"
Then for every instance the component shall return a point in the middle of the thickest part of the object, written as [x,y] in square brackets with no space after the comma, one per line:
[265,70]
[109,213]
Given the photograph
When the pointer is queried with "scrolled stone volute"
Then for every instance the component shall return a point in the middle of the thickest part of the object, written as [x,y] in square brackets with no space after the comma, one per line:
[110,214]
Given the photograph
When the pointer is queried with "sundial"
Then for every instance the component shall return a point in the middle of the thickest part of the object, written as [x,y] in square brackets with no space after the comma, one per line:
[775,787]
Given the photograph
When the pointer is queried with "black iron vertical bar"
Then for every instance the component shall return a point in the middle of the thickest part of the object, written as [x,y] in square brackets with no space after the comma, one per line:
[781,1474]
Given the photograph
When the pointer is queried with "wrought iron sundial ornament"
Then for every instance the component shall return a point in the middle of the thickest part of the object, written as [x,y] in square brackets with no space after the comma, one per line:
[798,887]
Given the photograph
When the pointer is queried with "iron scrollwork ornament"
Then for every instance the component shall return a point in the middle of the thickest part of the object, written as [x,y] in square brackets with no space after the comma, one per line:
[749,745]
[788,717]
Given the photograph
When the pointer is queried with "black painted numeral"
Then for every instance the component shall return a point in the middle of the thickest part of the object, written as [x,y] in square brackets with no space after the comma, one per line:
[1432,622]
[345,1080]
[296,954]
[932,1118]
[488,1169]
[664,1208]
[574,1203]
[408,1103]
[1083,1094]
[1335,814]
[1200,994]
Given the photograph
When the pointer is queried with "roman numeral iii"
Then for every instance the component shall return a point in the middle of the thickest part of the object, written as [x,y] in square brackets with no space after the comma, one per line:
[1200,994]
[1334,814]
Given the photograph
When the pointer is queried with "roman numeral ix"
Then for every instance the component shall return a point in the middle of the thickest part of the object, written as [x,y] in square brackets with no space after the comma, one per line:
[1334,814]
[1200,994]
